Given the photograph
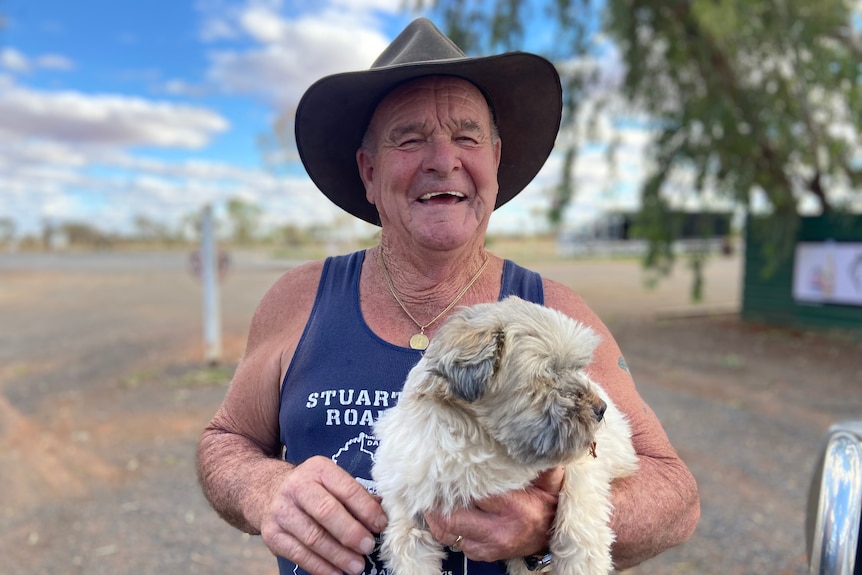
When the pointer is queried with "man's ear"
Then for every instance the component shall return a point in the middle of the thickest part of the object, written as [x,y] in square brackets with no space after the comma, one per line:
[365,163]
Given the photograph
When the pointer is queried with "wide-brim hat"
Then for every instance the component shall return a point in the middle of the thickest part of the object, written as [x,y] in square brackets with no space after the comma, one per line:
[522,89]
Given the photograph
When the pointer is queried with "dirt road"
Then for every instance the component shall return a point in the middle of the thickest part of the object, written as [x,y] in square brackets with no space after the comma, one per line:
[103,393]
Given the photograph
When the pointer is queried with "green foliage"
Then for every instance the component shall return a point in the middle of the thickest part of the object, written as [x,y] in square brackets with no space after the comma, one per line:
[565,189]
[7,230]
[758,102]
[147,229]
[83,234]
[244,218]
[749,93]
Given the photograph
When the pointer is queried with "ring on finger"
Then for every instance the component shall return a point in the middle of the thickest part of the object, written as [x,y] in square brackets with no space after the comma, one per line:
[456,546]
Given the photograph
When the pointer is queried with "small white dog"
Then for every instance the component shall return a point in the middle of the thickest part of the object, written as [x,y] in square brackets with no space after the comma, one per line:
[500,396]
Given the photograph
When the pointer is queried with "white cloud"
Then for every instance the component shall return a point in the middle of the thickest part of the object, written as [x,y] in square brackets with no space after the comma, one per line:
[113,120]
[58,181]
[15,61]
[287,56]
[20,154]
[184,89]
[215,29]
[54,62]
[366,6]
[69,155]
[263,23]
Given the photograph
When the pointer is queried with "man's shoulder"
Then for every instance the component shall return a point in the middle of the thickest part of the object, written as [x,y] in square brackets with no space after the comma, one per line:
[563,298]
[304,274]
[559,295]
[300,277]
[289,300]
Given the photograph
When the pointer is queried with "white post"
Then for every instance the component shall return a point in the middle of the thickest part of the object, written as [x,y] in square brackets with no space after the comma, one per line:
[209,280]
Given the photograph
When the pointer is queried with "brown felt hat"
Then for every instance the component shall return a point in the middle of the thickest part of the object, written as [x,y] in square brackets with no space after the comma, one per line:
[522,89]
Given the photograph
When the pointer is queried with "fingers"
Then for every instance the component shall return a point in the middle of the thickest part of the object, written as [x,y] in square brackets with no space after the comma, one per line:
[512,524]
[442,527]
[551,481]
[351,501]
[322,519]
[467,530]
[286,545]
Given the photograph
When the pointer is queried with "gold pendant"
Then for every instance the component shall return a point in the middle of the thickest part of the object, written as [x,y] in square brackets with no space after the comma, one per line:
[419,341]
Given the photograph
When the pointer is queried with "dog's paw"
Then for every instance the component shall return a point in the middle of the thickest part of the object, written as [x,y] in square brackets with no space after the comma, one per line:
[584,562]
[411,552]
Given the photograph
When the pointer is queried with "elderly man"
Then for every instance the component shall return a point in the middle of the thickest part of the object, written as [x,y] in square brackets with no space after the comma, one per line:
[426,144]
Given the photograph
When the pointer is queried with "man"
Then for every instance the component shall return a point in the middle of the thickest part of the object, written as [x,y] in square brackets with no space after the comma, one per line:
[426,144]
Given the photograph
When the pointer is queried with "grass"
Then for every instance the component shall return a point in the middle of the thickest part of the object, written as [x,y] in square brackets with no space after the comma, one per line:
[182,376]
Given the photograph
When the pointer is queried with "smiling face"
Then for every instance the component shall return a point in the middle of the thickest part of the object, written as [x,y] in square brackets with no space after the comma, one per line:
[429,162]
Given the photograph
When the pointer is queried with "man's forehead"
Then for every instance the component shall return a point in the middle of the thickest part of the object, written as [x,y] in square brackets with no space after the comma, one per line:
[434,91]
[461,125]
[430,84]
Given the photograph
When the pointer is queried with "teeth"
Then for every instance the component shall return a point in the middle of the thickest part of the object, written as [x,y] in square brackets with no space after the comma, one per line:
[435,194]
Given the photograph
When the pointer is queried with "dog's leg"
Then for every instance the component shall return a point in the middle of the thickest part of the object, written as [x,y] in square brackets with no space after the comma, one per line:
[581,542]
[408,548]
[582,536]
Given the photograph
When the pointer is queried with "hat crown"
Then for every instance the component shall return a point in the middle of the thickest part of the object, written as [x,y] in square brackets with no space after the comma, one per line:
[420,41]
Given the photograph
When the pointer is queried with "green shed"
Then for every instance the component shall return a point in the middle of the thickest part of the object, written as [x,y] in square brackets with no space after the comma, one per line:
[818,285]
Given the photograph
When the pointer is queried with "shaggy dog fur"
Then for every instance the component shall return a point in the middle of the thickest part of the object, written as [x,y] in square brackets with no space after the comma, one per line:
[500,396]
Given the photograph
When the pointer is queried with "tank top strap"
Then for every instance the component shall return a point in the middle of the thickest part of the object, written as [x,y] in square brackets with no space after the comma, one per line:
[521,282]
[338,289]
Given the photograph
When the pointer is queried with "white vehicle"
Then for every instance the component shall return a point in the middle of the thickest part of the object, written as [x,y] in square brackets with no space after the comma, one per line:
[835,504]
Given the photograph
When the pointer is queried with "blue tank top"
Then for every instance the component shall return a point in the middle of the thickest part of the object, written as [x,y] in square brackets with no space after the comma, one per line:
[343,376]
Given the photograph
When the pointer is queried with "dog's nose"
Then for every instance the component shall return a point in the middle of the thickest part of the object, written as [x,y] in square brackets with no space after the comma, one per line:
[599,408]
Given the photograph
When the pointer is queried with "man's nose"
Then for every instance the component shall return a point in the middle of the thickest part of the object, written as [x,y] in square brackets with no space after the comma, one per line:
[443,156]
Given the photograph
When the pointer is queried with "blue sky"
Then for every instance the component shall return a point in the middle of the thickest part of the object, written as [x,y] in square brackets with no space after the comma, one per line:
[111,110]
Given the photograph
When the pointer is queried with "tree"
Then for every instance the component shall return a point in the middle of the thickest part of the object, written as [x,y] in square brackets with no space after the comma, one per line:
[7,231]
[149,230]
[755,101]
[84,234]
[244,218]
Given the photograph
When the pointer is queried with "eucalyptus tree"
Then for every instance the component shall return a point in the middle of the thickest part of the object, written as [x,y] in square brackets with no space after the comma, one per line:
[756,102]
[244,217]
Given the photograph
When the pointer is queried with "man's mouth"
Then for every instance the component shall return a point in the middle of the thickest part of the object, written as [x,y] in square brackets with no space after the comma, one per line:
[442,197]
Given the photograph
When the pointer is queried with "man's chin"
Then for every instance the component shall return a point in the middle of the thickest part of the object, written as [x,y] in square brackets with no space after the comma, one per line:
[443,235]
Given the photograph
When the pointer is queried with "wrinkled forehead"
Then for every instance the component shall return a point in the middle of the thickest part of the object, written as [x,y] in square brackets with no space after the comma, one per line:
[434,91]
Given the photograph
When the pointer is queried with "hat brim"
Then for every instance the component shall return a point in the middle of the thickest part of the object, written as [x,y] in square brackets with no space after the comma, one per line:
[523,89]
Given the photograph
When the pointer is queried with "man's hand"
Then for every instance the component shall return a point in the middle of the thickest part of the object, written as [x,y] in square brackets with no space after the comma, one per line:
[322,519]
[514,524]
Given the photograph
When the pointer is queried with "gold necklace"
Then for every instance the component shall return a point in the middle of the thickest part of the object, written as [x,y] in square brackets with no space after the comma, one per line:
[420,340]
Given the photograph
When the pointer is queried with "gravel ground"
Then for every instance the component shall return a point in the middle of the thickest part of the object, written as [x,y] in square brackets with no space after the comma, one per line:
[103,393]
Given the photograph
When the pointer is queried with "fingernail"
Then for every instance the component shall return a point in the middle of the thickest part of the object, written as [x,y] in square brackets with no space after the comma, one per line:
[366,546]
[381,523]
[356,567]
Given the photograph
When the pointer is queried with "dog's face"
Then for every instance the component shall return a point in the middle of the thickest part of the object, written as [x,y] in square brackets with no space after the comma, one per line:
[519,370]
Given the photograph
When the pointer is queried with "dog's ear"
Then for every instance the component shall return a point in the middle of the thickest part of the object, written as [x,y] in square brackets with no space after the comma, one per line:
[470,365]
